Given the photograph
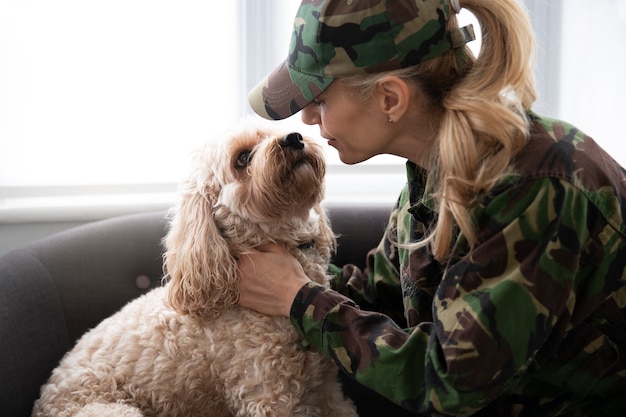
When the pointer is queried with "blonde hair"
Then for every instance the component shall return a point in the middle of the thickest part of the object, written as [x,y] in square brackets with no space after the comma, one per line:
[484,102]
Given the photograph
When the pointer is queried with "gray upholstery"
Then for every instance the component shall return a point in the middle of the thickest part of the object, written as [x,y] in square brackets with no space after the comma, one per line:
[53,290]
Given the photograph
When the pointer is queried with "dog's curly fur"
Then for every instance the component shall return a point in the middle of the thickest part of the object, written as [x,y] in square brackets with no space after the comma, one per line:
[187,348]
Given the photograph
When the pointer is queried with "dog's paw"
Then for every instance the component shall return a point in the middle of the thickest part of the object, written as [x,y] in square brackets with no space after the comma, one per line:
[109,410]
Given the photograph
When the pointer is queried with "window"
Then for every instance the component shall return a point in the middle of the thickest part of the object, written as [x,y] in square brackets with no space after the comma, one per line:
[113,92]
[101,102]
[592,87]
[580,64]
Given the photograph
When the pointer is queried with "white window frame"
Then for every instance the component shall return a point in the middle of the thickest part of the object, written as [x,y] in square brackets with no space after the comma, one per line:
[545,16]
[361,183]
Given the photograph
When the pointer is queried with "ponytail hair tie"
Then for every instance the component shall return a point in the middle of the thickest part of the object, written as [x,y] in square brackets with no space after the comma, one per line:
[461,36]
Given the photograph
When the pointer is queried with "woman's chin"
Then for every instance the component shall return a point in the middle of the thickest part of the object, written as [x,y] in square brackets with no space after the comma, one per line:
[351,159]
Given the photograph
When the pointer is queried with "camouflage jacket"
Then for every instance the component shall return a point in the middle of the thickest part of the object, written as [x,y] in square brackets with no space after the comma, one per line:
[530,322]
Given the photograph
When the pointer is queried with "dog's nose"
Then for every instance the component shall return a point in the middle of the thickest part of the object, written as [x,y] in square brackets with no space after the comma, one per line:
[292,140]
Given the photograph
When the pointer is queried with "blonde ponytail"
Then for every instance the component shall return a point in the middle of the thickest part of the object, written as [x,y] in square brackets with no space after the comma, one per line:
[484,123]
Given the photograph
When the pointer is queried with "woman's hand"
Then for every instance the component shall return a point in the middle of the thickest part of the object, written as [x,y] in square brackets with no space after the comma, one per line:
[270,278]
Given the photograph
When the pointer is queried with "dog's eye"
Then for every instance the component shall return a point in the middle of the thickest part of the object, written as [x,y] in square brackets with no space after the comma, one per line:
[243,159]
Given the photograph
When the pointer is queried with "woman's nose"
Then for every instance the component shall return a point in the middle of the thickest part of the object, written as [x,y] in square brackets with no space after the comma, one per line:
[310,114]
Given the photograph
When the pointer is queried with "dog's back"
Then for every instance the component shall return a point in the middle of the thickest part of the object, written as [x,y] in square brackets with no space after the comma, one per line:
[166,364]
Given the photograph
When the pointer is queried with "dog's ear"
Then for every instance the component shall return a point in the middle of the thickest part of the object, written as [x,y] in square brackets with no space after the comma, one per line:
[202,271]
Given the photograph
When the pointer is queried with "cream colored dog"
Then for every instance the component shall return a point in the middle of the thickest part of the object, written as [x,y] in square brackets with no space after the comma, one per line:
[187,349]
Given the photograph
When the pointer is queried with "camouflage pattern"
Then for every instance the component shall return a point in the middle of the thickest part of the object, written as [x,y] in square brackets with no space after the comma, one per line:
[529,322]
[340,38]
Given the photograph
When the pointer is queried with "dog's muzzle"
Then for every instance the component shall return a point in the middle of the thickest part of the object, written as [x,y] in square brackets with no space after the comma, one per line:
[293,140]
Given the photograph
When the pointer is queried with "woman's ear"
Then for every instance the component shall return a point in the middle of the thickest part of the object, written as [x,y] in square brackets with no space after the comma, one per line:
[393,97]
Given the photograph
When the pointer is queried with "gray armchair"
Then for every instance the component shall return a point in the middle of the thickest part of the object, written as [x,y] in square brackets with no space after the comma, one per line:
[55,289]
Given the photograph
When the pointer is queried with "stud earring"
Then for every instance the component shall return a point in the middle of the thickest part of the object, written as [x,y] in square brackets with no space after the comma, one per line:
[390,120]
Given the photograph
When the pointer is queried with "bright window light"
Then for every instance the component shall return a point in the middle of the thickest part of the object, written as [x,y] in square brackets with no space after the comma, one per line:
[592,84]
[115,91]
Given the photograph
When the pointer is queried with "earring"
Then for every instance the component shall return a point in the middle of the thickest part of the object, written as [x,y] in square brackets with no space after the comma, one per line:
[390,120]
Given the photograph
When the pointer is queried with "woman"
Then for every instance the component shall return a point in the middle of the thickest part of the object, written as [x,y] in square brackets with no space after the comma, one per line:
[499,287]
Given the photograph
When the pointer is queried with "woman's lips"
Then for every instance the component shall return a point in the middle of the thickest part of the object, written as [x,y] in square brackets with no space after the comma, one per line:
[331,141]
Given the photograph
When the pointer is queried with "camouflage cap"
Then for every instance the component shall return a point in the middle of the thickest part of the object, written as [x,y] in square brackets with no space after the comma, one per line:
[333,38]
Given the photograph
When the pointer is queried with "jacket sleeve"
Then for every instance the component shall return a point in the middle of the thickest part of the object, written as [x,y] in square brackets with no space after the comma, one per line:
[495,308]
[377,286]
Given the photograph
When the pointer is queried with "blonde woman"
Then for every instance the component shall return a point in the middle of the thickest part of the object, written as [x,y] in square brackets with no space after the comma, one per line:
[499,287]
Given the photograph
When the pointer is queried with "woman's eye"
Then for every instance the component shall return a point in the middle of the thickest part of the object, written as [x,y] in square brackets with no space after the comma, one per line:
[243,159]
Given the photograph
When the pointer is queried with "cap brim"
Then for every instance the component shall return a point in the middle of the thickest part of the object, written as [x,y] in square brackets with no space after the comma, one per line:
[285,91]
